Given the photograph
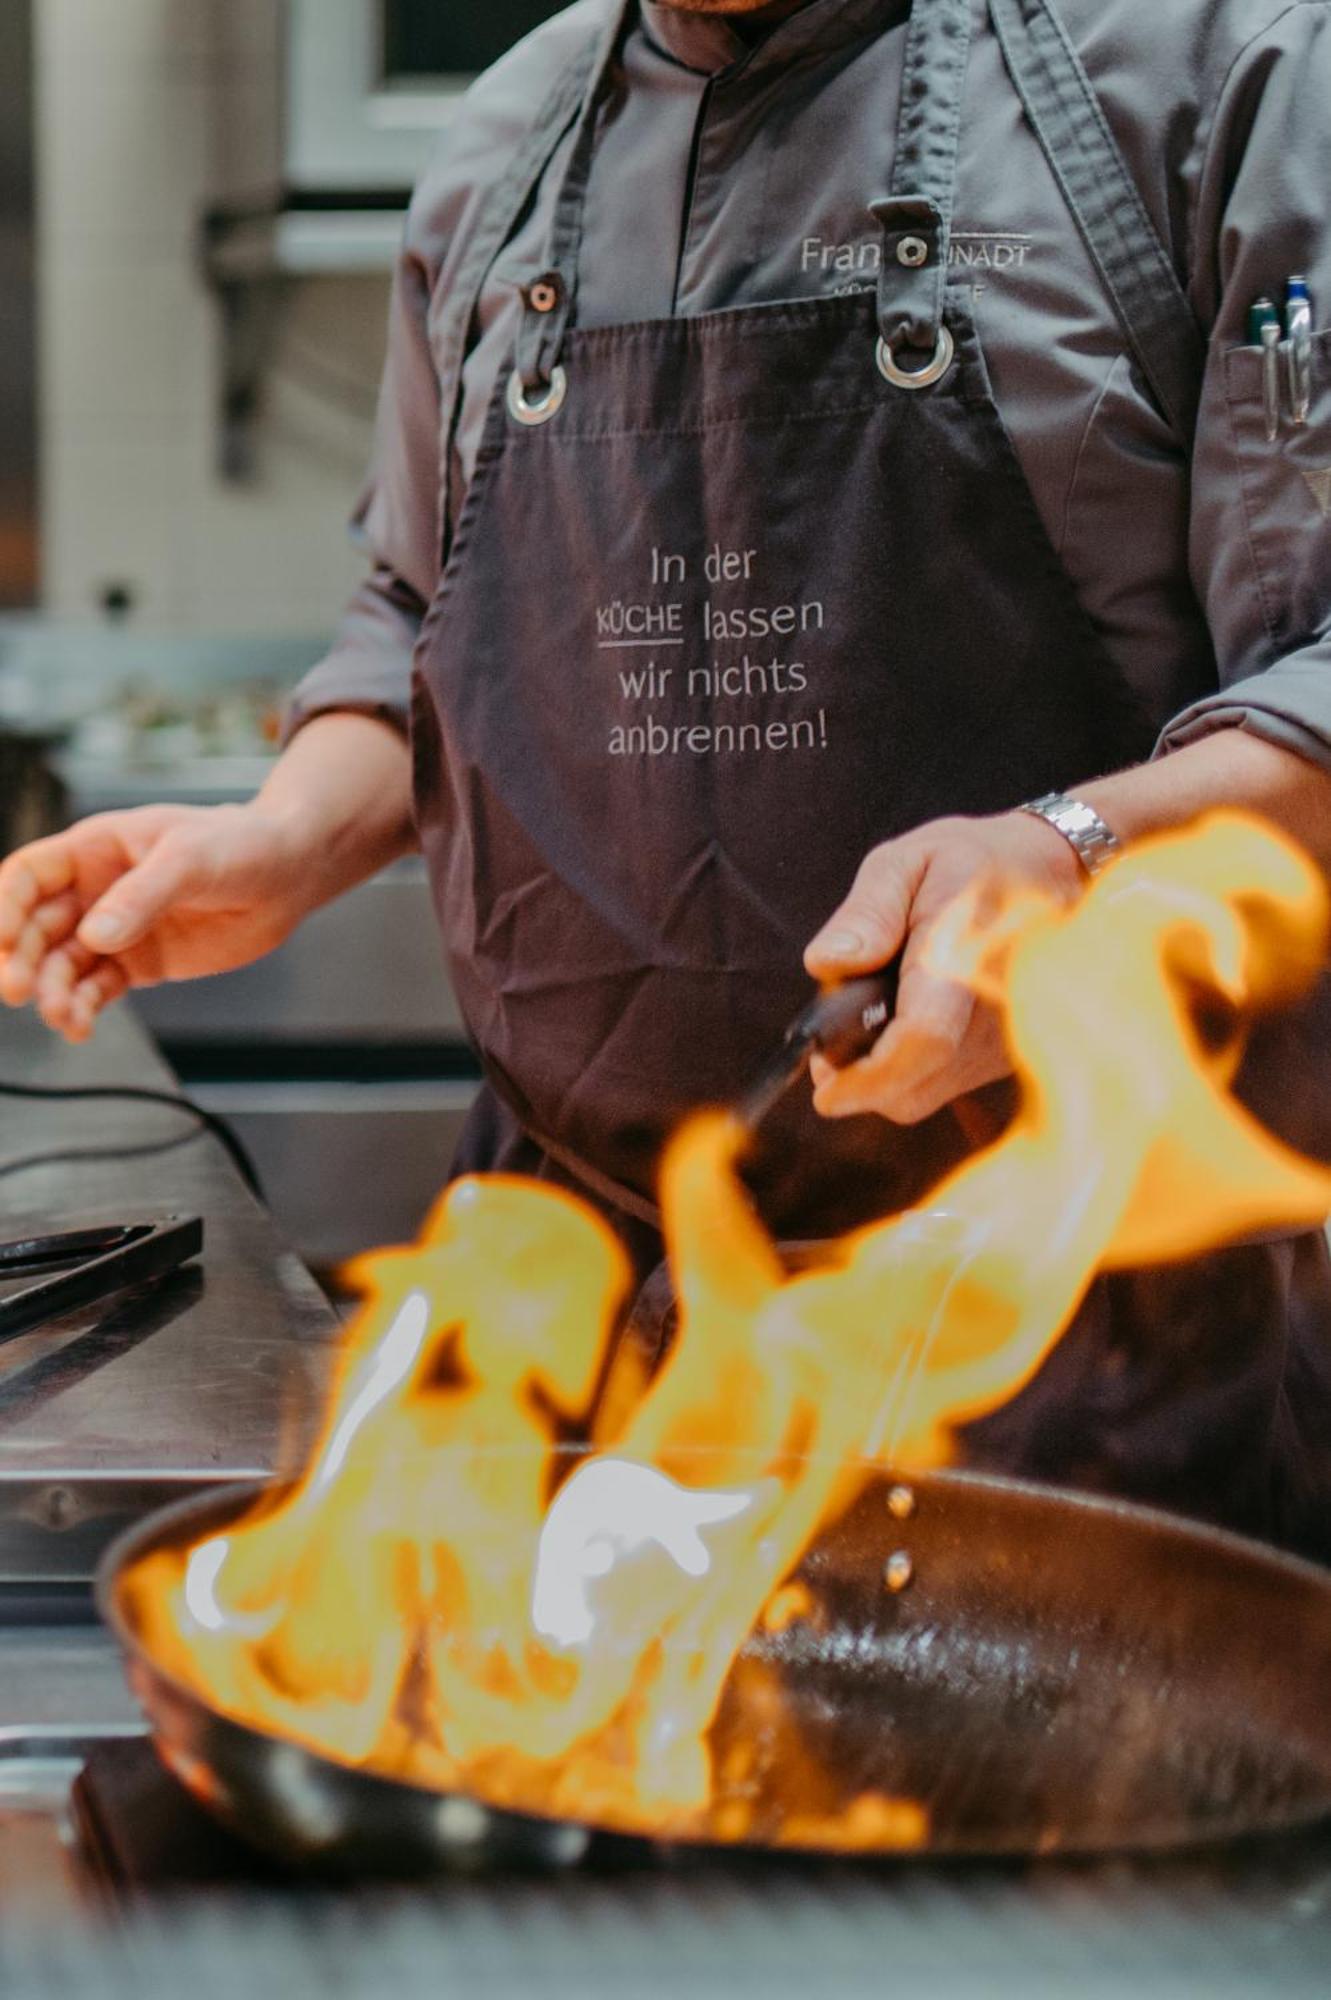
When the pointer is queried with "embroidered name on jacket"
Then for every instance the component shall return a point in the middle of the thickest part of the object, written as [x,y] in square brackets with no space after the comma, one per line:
[844,263]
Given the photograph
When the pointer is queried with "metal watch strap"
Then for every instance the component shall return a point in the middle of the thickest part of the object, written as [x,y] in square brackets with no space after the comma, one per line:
[1093,843]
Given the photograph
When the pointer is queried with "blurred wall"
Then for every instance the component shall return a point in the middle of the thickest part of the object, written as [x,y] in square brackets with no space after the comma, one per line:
[148,111]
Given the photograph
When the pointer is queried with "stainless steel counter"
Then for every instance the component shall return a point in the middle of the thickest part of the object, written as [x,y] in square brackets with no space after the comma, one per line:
[198,1380]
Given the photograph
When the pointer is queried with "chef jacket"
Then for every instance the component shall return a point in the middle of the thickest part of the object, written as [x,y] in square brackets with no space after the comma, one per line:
[736,169]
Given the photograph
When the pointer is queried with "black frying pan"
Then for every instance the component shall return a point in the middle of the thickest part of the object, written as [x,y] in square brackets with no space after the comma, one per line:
[1060,1674]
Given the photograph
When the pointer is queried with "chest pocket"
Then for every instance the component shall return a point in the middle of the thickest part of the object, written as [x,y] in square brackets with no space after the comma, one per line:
[1286,492]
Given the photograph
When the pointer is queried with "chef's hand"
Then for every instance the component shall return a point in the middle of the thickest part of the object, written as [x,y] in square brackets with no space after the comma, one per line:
[131,898]
[943,1040]
[172,892]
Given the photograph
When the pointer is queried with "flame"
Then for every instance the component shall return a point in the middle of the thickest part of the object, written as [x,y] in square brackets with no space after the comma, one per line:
[451,1595]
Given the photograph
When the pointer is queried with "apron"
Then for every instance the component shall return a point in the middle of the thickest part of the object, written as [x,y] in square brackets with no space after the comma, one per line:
[732,599]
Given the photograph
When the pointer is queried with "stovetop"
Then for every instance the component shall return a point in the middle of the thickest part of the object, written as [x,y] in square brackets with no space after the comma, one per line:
[141,1838]
[162,1902]
[115,1883]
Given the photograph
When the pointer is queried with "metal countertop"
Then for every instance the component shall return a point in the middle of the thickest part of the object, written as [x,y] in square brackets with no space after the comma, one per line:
[209,1376]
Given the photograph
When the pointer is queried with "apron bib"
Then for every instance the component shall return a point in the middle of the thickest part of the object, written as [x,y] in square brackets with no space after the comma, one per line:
[731,600]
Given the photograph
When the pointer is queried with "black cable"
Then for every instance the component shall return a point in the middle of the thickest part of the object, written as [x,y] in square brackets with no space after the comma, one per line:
[77,1156]
[174,1100]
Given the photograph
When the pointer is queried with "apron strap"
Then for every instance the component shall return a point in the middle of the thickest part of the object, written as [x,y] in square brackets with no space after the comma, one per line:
[500,214]
[549,303]
[1061,104]
[917,214]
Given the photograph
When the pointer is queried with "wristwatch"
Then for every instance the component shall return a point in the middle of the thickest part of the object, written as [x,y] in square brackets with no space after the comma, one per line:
[1093,843]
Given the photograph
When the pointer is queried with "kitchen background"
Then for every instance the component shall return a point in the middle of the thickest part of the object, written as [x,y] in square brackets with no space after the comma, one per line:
[200,201]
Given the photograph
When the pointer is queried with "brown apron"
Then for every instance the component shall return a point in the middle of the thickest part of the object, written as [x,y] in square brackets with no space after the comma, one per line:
[732,599]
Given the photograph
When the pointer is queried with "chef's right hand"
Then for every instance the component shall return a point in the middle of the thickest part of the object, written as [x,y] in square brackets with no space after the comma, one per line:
[131,898]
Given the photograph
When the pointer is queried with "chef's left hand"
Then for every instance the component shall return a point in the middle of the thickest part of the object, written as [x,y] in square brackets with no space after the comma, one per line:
[943,1040]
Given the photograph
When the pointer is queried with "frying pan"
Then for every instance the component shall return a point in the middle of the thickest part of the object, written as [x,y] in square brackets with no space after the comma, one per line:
[1058,1674]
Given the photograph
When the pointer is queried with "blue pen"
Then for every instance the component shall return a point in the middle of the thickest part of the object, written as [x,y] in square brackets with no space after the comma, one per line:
[1298,347]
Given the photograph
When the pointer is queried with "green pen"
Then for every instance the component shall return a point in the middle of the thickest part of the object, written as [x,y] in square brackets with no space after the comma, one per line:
[1265,331]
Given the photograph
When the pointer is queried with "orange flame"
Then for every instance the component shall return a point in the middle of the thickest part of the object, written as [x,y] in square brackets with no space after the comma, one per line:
[441,1598]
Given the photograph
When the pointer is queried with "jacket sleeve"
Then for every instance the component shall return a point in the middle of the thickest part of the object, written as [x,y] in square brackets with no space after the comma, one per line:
[1260,546]
[368,667]
[398,518]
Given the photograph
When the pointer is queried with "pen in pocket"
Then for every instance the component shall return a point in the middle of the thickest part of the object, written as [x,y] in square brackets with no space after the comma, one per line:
[1299,347]
[1265,331]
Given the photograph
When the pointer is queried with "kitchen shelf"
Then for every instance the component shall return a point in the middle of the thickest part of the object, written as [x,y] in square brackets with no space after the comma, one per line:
[303,243]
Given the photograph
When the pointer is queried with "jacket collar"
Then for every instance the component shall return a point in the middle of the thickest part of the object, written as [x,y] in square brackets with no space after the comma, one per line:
[709,43]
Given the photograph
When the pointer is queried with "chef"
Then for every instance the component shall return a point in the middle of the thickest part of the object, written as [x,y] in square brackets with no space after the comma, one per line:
[823,465]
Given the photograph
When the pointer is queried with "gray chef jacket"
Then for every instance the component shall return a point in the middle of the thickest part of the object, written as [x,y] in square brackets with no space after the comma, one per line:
[737,169]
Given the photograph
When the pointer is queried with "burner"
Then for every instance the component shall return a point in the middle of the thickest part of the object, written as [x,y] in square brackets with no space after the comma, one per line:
[143,1835]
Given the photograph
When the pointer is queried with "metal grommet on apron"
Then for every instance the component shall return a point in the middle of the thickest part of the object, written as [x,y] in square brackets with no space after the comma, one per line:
[917,378]
[538,409]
